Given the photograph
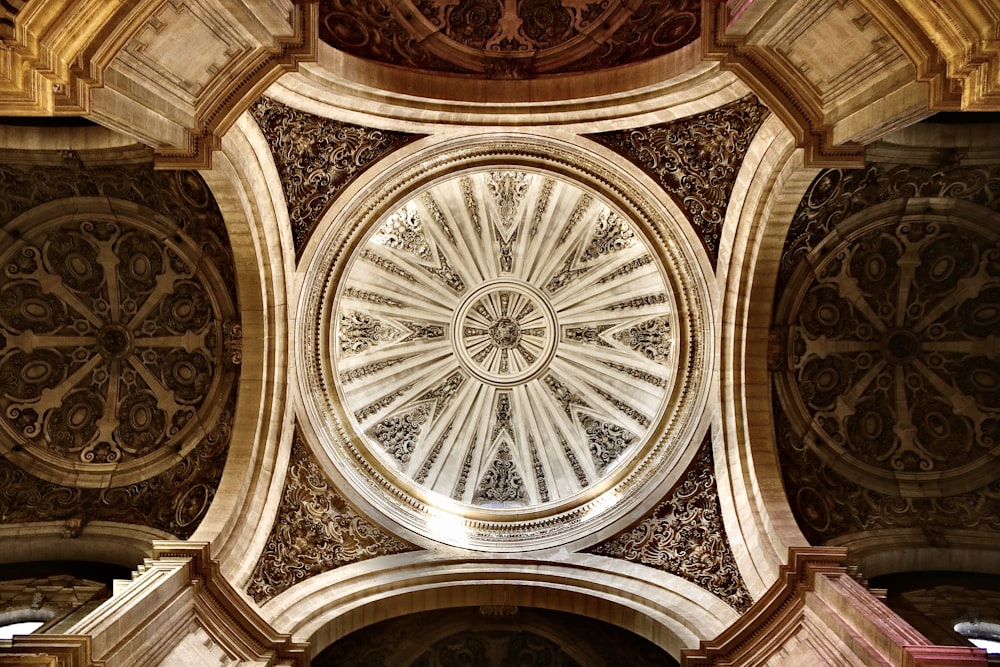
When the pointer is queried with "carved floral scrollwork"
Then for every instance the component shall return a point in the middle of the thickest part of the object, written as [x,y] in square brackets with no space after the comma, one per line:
[315,530]
[684,535]
[695,159]
[317,157]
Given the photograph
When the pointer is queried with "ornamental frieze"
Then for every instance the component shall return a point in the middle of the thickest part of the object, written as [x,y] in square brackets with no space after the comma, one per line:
[317,158]
[684,535]
[695,160]
[315,531]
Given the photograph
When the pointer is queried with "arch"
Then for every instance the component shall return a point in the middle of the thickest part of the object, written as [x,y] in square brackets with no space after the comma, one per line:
[667,610]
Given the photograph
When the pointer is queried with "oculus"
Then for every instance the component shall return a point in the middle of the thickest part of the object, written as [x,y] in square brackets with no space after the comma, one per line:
[501,343]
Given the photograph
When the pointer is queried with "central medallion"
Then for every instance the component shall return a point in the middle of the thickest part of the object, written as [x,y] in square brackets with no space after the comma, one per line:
[503,351]
[505,332]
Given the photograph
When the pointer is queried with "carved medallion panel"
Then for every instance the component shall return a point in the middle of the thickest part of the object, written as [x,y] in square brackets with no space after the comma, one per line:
[476,339]
[885,355]
[120,345]
[501,341]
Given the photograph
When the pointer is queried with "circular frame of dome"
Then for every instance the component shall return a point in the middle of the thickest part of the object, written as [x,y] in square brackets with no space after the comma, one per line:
[896,308]
[113,325]
[493,335]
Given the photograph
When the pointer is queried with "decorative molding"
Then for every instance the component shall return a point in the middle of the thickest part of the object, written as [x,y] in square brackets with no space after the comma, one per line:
[684,535]
[695,160]
[315,531]
[496,635]
[783,624]
[521,39]
[317,158]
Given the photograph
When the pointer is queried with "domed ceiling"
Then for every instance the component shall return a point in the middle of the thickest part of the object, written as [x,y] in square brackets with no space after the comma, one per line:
[504,344]
[509,38]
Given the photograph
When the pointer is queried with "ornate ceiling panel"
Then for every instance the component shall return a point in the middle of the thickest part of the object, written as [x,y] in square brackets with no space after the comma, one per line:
[504,340]
[119,346]
[316,530]
[885,354]
[509,38]
[695,159]
[494,316]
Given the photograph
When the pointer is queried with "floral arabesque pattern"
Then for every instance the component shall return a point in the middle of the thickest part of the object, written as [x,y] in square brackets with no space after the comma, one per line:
[695,159]
[684,535]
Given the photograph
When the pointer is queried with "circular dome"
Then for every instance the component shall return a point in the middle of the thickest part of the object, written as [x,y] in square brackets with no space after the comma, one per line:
[506,348]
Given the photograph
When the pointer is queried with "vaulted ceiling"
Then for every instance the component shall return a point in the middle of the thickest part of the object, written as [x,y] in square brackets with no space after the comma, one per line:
[614,300]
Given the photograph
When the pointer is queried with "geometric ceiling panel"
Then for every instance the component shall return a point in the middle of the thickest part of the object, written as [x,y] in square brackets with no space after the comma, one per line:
[516,39]
[503,343]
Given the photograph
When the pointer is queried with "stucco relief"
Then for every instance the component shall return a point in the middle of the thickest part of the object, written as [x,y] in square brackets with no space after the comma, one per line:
[316,158]
[316,530]
[684,535]
[695,159]
[885,363]
[514,39]
[501,345]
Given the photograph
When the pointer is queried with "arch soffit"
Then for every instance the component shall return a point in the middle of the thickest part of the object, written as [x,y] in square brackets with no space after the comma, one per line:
[663,608]
[771,182]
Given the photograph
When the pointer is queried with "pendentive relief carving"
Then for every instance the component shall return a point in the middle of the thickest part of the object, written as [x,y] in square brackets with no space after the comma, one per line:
[119,346]
[889,409]
[513,39]
[695,159]
[684,535]
[317,158]
[315,531]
